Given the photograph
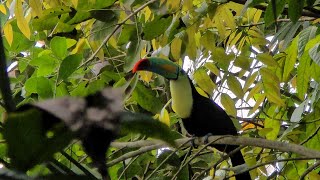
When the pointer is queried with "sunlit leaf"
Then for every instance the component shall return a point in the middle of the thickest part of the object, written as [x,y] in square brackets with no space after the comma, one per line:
[235,86]
[8,32]
[203,81]
[228,104]
[267,59]
[59,46]
[21,21]
[303,75]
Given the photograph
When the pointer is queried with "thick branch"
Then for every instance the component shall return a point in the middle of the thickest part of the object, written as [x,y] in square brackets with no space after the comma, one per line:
[9,104]
[231,140]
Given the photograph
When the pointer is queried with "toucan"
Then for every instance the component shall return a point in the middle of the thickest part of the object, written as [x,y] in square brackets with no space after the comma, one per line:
[200,115]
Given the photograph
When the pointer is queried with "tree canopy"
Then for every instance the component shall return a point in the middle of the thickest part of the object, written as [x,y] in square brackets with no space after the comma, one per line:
[258,59]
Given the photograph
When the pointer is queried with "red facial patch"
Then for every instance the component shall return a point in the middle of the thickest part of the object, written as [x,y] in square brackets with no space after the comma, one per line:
[140,65]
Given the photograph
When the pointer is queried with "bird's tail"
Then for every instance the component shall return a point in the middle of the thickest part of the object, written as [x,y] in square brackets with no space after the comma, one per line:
[237,159]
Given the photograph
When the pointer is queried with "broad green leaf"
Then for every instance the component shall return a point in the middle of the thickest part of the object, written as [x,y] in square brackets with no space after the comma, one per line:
[297,113]
[249,81]
[128,32]
[259,100]
[311,129]
[256,89]
[315,54]
[62,90]
[228,104]
[69,65]
[203,81]
[133,54]
[80,89]
[176,48]
[191,48]
[46,65]
[213,68]
[268,15]
[156,27]
[292,54]
[207,39]
[40,85]
[95,86]
[295,9]
[219,56]
[272,124]
[26,128]
[304,37]
[315,71]
[59,47]
[36,6]
[145,125]
[303,75]
[271,86]
[243,62]
[146,98]
[235,86]
[267,59]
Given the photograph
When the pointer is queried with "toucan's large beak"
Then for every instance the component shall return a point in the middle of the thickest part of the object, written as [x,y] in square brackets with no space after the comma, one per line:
[163,67]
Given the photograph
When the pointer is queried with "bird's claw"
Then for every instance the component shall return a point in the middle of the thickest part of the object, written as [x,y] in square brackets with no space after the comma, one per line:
[206,138]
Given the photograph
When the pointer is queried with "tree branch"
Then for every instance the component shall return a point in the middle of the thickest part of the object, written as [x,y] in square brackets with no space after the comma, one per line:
[9,104]
[230,140]
[311,168]
[115,29]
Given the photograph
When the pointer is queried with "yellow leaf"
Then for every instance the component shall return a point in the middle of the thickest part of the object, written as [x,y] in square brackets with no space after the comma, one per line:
[8,32]
[164,117]
[145,75]
[3,9]
[147,13]
[201,92]
[75,3]
[228,104]
[113,42]
[79,47]
[203,81]
[187,5]
[173,5]
[176,48]
[213,68]
[267,59]
[94,46]
[36,6]
[257,16]
[235,86]
[21,21]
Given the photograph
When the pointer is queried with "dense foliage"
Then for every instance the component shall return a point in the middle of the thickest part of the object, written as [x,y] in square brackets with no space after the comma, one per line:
[259,59]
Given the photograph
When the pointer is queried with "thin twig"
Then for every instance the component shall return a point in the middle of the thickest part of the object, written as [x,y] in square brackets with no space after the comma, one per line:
[116,28]
[311,168]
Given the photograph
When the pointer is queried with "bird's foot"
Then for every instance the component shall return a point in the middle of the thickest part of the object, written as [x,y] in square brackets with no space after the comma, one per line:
[206,138]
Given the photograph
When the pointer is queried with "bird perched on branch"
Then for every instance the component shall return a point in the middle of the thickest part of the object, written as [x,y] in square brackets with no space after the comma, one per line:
[200,115]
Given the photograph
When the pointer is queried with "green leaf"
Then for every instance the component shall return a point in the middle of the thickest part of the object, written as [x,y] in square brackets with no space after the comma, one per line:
[128,32]
[292,54]
[272,124]
[26,129]
[271,85]
[203,81]
[95,86]
[69,65]
[40,85]
[315,54]
[228,104]
[304,37]
[147,98]
[46,65]
[268,16]
[267,59]
[80,90]
[133,54]
[249,81]
[295,9]
[156,27]
[303,75]
[145,125]
[235,86]
[59,47]
[243,62]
